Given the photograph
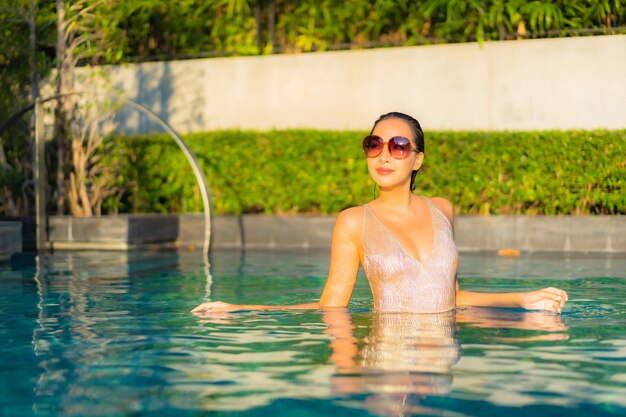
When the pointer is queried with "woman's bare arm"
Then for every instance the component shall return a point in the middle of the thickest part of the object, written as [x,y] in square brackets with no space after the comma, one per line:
[344,266]
[551,299]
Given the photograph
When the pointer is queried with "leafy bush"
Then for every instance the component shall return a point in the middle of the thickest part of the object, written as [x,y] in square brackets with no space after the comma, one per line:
[309,171]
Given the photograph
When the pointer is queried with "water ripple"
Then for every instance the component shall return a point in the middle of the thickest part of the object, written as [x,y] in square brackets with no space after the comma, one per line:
[110,334]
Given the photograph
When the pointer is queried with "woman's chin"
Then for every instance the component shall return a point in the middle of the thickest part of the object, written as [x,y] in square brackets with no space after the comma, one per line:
[391,185]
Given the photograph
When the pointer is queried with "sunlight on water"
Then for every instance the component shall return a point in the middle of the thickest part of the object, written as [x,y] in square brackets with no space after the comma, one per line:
[111,335]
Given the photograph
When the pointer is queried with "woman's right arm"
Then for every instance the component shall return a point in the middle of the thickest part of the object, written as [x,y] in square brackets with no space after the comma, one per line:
[344,266]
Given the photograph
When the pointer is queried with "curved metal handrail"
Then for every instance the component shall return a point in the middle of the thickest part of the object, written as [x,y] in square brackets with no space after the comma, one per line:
[191,158]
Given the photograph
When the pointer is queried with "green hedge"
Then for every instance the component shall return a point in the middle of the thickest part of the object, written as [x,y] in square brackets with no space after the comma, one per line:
[308,171]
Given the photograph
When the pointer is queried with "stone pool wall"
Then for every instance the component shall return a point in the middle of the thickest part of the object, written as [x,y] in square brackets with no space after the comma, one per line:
[473,233]
[585,234]
[10,239]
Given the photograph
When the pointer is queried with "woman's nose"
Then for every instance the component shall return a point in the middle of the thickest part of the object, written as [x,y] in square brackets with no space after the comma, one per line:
[384,155]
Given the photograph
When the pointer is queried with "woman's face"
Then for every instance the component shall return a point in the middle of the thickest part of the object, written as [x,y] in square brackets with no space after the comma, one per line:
[387,171]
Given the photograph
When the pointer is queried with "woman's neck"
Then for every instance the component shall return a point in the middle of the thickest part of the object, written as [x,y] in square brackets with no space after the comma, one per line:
[396,198]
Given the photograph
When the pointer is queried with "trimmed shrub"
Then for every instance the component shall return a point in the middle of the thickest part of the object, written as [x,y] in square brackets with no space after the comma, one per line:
[310,171]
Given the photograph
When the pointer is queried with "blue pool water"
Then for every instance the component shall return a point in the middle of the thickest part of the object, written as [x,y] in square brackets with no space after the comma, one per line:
[110,334]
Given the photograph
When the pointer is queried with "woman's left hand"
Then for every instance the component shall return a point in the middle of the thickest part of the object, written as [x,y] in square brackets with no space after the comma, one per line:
[215,306]
[551,299]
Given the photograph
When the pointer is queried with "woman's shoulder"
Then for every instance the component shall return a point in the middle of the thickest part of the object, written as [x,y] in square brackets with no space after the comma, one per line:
[351,215]
[350,219]
[445,206]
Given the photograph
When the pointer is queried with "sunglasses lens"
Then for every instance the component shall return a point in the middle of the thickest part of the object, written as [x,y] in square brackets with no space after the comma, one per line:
[372,146]
[399,147]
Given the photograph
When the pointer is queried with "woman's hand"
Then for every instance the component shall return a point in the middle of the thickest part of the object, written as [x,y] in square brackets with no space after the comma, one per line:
[217,306]
[551,299]
[222,307]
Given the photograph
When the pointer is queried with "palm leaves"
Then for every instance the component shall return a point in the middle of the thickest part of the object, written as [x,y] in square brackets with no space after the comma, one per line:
[269,26]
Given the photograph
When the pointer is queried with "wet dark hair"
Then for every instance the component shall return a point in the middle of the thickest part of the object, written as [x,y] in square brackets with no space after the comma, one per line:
[416,129]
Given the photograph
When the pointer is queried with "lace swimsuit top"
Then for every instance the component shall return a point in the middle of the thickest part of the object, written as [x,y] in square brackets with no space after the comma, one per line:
[401,283]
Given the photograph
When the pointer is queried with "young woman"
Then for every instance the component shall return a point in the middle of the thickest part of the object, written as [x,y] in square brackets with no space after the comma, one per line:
[404,241]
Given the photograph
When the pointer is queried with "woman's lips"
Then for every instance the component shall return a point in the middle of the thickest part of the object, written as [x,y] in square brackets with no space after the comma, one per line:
[384,171]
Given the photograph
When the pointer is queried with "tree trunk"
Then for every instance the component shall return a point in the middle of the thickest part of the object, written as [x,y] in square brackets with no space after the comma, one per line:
[10,207]
[65,103]
[79,180]
[257,19]
[34,73]
[34,87]
[271,26]
[521,30]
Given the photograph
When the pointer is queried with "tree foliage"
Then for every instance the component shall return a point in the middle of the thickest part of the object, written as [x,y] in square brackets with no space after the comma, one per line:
[66,34]
[159,29]
[20,64]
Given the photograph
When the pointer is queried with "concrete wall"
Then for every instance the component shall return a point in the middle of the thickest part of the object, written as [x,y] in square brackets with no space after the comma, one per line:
[10,239]
[567,83]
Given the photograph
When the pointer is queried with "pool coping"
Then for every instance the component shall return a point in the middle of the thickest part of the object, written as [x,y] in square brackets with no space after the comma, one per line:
[588,234]
[583,234]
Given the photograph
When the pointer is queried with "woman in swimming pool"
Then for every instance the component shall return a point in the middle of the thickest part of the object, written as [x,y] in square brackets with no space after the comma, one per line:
[404,241]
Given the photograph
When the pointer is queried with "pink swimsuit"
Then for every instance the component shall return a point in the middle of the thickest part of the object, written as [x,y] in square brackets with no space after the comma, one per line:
[401,283]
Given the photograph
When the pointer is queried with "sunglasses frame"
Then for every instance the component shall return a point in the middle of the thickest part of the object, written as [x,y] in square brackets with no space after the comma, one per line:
[389,148]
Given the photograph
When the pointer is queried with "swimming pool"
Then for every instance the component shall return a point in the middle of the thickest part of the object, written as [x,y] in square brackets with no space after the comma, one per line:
[110,334]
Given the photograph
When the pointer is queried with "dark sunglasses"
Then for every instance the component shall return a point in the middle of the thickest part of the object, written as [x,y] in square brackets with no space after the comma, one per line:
[399,146]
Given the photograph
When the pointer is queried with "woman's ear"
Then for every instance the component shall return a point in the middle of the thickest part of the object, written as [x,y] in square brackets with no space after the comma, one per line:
[418,161]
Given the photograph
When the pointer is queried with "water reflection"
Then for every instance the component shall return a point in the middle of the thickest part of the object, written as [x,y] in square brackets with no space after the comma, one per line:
[514,325]
[110,334]
[389,364]
[405,363]
[92,313]
[404,359]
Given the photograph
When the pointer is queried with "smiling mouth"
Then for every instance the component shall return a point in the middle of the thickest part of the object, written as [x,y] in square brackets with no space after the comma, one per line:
[384,171]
